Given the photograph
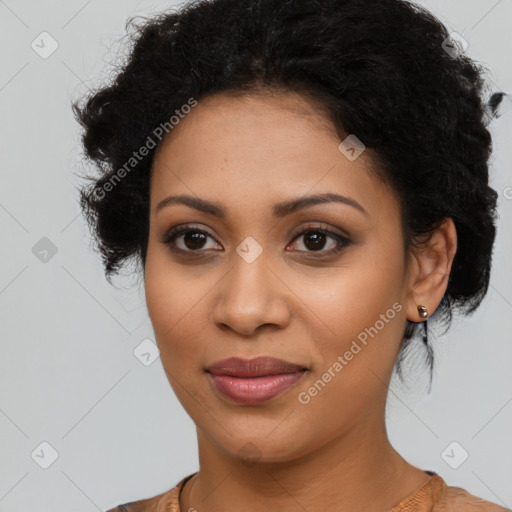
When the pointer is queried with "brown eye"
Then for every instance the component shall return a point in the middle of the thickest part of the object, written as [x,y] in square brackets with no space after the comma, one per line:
[320,240]
[313,241]
[194,240]
[186,239]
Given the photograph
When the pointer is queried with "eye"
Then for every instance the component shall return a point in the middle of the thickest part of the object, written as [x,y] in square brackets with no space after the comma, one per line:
[189,239]
[186,239]
[316,239]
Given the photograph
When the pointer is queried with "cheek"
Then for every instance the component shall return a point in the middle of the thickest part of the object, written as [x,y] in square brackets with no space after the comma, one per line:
[353,297]
[360,312]
[167,295]
[174,325]
[177,306]
[178,317]
[166,298]
[362,320]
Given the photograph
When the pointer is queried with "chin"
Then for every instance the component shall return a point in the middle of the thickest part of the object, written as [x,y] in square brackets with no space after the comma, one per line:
[253,450]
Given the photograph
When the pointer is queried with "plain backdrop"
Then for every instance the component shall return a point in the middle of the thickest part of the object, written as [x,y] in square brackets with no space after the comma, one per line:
[84,424]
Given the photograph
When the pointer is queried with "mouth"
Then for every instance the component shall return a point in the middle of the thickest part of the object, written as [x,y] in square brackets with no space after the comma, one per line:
[254,381]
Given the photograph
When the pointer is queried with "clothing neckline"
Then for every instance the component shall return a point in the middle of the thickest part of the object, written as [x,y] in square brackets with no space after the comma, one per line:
[422,489]
[434,477]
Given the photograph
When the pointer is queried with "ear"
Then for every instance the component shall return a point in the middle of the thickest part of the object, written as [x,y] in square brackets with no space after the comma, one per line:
[429,270]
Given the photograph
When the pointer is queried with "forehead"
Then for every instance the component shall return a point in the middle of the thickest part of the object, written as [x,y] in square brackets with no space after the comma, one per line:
[257,149]
[249,123]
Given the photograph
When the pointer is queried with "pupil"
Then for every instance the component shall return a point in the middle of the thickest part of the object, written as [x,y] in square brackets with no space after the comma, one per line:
[318,240]
[196,239]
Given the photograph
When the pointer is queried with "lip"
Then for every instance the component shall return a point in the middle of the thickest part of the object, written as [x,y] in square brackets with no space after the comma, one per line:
[257,367]
[254,381]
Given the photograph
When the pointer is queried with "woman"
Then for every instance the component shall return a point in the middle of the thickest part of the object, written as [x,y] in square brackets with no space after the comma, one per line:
[304,184]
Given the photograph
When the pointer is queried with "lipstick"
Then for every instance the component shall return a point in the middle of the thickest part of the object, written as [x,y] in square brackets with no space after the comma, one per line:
[254,381]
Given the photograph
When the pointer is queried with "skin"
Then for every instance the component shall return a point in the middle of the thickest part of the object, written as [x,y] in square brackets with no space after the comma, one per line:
[247,153]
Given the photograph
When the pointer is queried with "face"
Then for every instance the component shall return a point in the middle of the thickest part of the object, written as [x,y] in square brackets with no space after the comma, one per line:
[322,285]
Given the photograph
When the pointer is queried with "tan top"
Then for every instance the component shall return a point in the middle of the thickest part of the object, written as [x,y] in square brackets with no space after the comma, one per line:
[433,496]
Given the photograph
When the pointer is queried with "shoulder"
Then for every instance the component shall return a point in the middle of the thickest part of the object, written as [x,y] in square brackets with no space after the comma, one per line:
[436,496]
[153,504]
[459,499]
[166,502]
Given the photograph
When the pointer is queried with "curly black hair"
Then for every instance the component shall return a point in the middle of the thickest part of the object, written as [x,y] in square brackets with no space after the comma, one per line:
[387,71]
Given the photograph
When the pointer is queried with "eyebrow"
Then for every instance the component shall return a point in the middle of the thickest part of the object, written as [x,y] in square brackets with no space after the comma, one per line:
[278,210]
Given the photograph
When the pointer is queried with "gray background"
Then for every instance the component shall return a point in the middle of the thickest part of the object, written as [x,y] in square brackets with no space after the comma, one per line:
[68,373]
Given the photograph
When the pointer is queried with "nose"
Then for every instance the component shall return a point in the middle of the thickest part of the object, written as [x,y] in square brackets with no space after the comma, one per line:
[250,296]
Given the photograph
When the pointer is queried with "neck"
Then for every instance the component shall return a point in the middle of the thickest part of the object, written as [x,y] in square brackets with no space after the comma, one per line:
[357,471]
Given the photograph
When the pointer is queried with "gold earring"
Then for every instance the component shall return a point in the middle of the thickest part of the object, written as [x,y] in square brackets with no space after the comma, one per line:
[422,311]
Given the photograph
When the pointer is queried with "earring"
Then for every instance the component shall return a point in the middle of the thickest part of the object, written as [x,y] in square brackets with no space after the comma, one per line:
[422,311]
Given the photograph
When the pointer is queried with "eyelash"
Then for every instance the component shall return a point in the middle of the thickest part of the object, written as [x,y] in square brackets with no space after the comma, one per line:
[342,241]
